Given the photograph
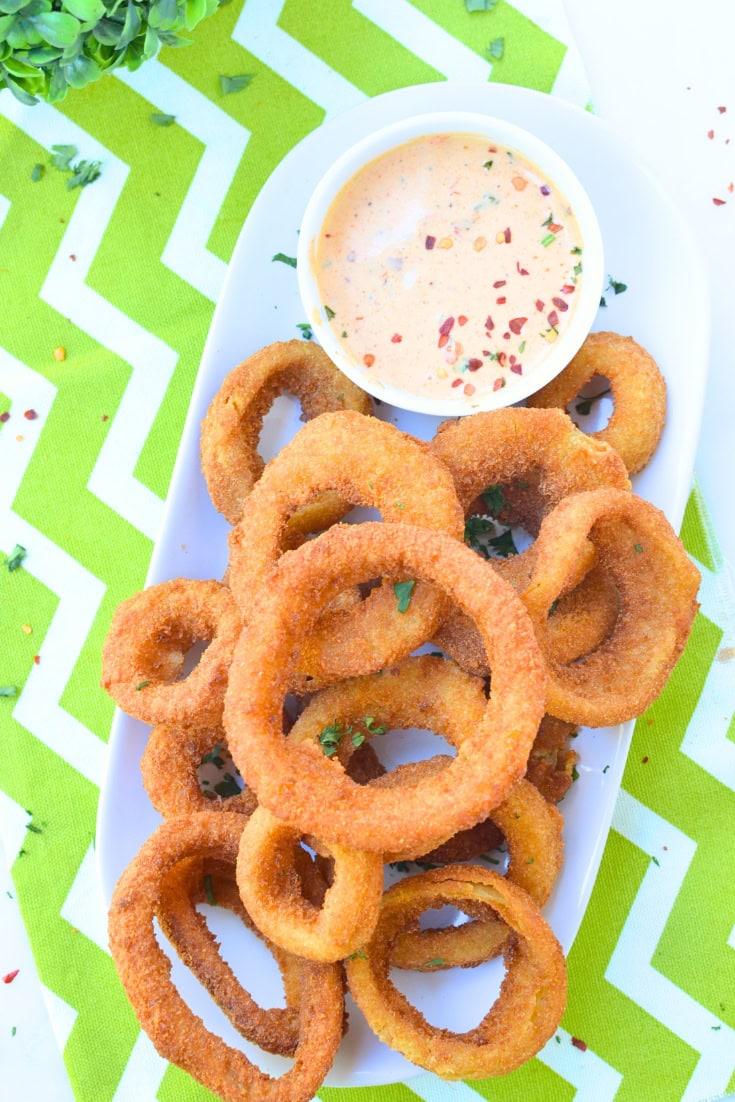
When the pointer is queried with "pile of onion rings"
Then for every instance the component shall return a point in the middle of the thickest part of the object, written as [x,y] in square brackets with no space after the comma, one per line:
[310,660]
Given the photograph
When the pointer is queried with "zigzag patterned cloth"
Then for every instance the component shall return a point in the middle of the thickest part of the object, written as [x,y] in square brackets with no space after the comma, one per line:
[123,276]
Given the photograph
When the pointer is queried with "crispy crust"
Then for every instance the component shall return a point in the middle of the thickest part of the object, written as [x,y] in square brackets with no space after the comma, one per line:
[169,769]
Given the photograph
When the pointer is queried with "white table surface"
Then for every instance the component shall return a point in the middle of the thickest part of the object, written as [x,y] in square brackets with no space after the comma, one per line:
[659,70]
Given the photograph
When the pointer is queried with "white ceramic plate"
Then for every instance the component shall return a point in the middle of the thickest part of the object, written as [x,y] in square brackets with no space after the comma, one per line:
[648,247]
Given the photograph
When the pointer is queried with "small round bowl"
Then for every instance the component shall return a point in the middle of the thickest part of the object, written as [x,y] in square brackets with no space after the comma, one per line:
[561,342]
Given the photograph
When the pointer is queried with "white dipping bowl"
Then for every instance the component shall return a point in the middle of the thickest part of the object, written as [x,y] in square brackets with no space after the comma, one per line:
[566,191]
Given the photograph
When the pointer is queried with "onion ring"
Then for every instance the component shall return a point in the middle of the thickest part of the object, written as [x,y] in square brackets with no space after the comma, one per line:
[657,586]
[169,771]
[373,464]
[638,392]
[145,649]
[297,781]
[531,1000]
[551,763]
[177,1033]
[231,428]
[274,898]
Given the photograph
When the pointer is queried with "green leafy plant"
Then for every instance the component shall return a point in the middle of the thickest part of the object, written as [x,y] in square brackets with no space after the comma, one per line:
[50,46]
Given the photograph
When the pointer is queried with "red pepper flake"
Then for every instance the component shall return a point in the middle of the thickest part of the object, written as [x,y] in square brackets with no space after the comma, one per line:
[502,357]
[501,301]
[489,324]
[456,382]
[469,389]
[555,227]
[644,761]
[30,415]
[553,319]
[539,305]
[506,234]
[506,336]
[719,202]
[498,384]
[581,1045]
[368,359]
[474,364]
[462,319]
[105,417]
[545,189]
[560,304]
[444,339]
[446,327]
[72,256]
[430,242]
[722,110]
[5,416]
[516,324]
[11,976]
[37,659]
[517,369]
[396,338]
[710,134]
[499,283]
[520,270]
[568,289]
[731,187]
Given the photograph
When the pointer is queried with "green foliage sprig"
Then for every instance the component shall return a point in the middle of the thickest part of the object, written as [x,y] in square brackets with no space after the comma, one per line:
[49,46]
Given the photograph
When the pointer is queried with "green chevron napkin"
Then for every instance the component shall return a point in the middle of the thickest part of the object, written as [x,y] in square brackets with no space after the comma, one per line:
[112,254]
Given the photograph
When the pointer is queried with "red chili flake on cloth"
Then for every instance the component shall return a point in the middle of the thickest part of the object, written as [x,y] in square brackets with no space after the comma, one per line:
[579,1044]
[4,417]
[430,242]
[462,319]
[499,283]
[37,659]
[11,976]
[710,134]
[516,324]
[30,415]
[719,202]
[644,760]
[105,417]
[474,364]
[72,256]
[396,338]
[722,110]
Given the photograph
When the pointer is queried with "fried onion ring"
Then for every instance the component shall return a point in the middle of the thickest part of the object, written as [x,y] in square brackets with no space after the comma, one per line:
[372,464]
[638,392]
[169,771]
[297,781]
[177,1033]
[233,423]
[273,895]
[532,996]
[145,650]
[657,587]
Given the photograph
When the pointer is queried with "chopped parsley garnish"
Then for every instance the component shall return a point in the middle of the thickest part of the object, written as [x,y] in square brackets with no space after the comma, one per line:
[16,558]
[606,769]
[8,690]
[331,737]
[616,286]
[329,312]
[403,591]
[584,405]
[503,545]
[62,156]
[372,727]
[474,527]
[655,860]
[215,756]
[548,240]
[480,5]
[575,773]
[306,331]
[227,787]
[83,173]
[358,953]
[141,685]
[435,963]
[33,828]
[290,260]
[160,119]
[209,892]
[493,498]
[496,49]
[638,548]
[488,164]
[228,85]
[37,173]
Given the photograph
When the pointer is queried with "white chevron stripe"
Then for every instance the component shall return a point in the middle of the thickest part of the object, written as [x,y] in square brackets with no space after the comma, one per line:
[258,31]
[731,939]
[79,592]
[433,1089]
[4,208]
[549,17]
[83,905]
[425,38]
[595,1080]
[705,740]
[224,142]
[61,1015]
[143,1073]
[65,289]
[630,968]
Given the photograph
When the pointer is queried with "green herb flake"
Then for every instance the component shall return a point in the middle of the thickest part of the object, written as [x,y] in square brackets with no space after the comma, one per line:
[62,156]
[493,498]
[8,690]
[616,286]
[584,405]
[656,861]
[496,49]
[329,312]
[290,260]
[437,962]
[490,860]
[13,1031]
[400,866]
[606,769]
[715,1028]
[358,953]
[37,173]
[227,787]
[475,527]
[331,737]
[503,545]
[15,559]
[638,548]
[553,607]
[306,331]
[358,738]
[209,891]
[403,591]
[603,301]
[141,685]
[576,251]
[229,85]
[575,773]
[372,727]
[33,828]
[530,860]
[548,240]
[84,173]
[480,5]
[214,756]
[159,119]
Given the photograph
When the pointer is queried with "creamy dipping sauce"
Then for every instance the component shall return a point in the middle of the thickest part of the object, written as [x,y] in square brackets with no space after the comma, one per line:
[449,266]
